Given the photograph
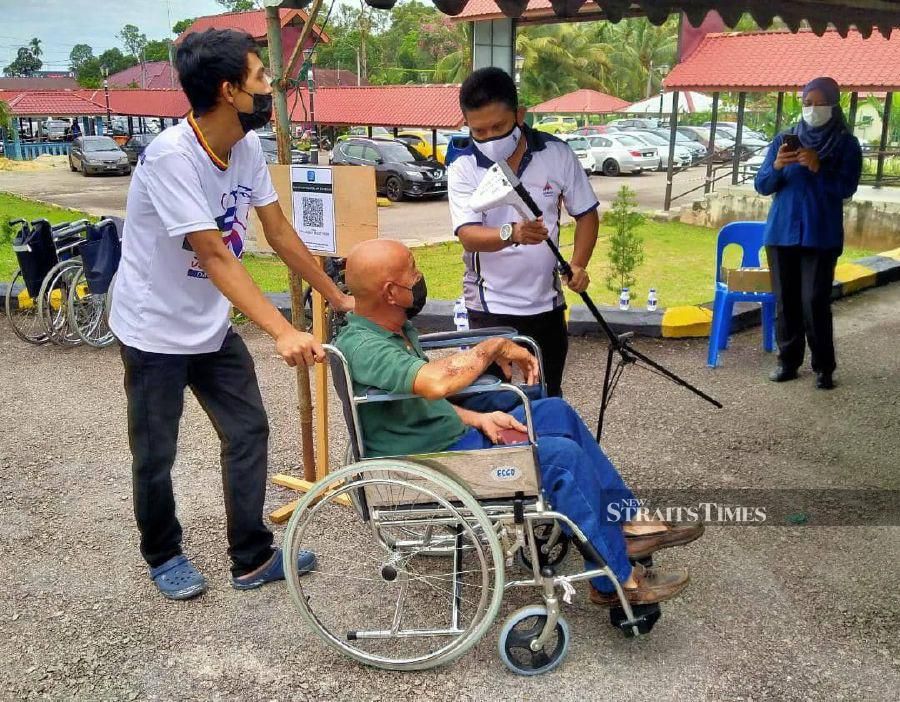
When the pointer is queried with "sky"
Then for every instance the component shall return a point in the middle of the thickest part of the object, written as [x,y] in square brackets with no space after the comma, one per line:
[60,24]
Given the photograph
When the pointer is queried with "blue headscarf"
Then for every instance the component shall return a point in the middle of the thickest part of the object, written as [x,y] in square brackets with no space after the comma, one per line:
[824,139]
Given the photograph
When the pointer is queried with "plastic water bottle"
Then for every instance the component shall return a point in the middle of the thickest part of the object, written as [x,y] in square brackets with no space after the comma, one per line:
[624,300]
[460,315]
[651,300]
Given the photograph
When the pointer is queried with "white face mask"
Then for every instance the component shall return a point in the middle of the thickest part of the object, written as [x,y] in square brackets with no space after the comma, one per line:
[502,147]
[817,115]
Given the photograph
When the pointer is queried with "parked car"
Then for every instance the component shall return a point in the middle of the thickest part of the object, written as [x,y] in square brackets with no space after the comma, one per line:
[556,124]
[456,143]
[635,123]
[682,154]
[420,140]
[724,145]
[615,154]
[269,144]
[400,170]
[55,129]
[579,144]
[135,146]
[595,129]
[751,142]
[698,151]
[751,166]
[98,154]
[363,133]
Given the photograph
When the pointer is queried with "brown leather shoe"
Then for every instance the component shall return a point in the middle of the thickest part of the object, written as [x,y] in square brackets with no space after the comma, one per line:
[676,534]
[653,585]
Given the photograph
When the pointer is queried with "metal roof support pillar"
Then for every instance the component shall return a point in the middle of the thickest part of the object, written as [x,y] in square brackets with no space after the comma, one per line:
[16,142]
[779,113]
[673,131]
[714,122]
[854,106]
[369,128]
[736,157]
[130,125]
[434,153]
[396,131]
[885,131]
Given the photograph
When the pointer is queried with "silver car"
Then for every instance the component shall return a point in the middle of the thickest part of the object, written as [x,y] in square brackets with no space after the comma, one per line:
[617,153]
[579,144]
[698,151]
[682,153]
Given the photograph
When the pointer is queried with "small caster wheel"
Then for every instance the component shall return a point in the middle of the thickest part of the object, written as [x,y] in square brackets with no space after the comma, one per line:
[551,556]
[523,627]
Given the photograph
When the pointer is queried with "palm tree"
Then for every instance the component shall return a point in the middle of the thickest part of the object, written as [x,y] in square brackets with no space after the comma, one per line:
[640,49]
[453,68]
[35,46]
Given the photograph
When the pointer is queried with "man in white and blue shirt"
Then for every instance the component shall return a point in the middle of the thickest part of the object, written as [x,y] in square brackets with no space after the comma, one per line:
[511,277]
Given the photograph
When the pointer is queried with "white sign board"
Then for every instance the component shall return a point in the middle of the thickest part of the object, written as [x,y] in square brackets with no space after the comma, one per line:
[312,192]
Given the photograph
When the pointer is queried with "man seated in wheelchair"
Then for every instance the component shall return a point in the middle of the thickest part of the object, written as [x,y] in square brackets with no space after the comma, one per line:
[382,349]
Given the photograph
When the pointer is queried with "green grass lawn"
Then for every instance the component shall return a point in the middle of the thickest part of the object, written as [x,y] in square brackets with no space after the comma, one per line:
[679,260]
[12,207]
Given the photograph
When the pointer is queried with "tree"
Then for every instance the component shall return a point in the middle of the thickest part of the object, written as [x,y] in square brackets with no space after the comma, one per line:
[35,46]
[238,5]
[134,40]
[79,56]
[114,61]
[626,246]
[26,62]
[157,50]
[182,25]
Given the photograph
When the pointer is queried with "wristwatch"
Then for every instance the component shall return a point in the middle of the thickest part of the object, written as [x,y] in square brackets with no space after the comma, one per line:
[506,232]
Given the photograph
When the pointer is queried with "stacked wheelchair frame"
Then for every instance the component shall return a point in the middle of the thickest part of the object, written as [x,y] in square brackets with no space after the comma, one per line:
[60,293]
[416,576]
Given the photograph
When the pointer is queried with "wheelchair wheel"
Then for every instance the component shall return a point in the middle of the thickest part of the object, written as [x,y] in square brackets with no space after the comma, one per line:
[520,630]
[53,299]
[375,594]
[87,313]
[22,312]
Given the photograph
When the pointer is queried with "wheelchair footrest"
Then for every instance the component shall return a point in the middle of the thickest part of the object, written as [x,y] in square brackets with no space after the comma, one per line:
[645,618]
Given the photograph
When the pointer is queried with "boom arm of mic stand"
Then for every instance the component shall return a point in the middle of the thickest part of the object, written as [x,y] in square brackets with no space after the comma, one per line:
[617,343]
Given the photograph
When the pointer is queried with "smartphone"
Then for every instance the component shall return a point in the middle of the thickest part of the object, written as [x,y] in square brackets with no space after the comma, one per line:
[791,142]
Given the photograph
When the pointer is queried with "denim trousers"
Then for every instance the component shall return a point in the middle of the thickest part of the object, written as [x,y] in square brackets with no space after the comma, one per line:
[225,384]
[577,479]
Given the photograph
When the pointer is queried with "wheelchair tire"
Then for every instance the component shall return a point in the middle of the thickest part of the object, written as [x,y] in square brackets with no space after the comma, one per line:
[367,599]
[521,628]
[22,312]
[53,299]
[87,313]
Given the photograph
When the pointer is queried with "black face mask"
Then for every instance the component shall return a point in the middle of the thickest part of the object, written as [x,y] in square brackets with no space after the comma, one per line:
[419,292]
[261,115]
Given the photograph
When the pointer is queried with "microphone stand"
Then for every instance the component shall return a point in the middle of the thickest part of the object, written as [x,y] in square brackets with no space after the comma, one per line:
[618,343]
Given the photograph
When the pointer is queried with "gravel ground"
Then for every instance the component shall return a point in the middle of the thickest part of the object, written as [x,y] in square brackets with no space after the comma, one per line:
[772,613]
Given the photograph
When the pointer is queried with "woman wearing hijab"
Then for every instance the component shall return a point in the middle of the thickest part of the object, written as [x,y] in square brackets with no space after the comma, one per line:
[810,169]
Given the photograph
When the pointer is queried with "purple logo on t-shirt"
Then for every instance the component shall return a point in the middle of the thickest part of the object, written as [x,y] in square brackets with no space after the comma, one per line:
[230,222]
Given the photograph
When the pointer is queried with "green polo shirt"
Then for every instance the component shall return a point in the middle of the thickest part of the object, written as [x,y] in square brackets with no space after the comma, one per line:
[381,359]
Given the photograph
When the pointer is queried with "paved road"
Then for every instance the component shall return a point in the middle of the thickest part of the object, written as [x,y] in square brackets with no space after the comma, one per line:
[775,612]
[411,222]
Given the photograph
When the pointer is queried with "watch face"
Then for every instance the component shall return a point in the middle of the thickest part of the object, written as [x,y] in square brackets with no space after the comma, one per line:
[506,232]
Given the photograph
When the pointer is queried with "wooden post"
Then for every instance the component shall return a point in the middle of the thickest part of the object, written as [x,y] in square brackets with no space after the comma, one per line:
[320,331]
[736,156]
[885,131]
[779,113]
[673,132]
[708,185]
[283,140]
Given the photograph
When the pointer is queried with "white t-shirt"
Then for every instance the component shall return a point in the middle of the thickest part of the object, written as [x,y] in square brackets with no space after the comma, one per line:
[163,301]
[519,280]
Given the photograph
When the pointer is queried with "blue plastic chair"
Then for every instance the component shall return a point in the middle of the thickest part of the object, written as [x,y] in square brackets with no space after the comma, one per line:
[749,236]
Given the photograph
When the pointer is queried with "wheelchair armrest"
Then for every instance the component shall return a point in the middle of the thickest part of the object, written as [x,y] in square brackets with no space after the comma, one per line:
[465,337]
[483,384]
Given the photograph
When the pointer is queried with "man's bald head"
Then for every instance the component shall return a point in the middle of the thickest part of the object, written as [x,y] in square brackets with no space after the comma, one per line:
[373,264]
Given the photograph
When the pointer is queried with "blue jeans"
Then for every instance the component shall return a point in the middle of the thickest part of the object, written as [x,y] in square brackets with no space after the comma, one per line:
[577,479]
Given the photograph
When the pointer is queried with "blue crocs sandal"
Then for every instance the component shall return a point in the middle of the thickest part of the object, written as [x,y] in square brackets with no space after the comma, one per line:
[178,579]
[273,570]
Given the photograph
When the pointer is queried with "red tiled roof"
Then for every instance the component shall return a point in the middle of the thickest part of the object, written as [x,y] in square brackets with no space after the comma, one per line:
[252,22]
[142,103]
[53,103]
[581,101]
[763,61]
[159,76]
[487,9]
[22,84]
[426,106]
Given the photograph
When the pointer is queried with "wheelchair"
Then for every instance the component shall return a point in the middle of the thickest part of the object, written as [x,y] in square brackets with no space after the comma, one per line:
[414,575]
[59,293]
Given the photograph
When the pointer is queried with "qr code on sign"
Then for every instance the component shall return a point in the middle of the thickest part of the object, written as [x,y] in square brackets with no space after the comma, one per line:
[313,212]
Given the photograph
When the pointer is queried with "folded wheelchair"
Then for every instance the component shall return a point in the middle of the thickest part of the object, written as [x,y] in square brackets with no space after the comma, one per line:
[414,574]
